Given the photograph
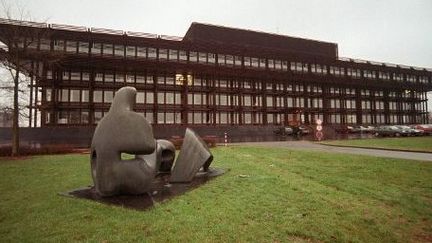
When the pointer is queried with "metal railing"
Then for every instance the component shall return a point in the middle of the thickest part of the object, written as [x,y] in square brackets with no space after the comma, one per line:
[86,29]
[355,60]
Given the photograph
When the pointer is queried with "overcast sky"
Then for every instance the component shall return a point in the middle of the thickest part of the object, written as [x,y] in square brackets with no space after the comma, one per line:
[398,31]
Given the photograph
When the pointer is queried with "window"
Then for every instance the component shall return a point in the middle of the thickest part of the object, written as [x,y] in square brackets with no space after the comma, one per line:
[354,73]
[398,76]
[97,96]
[411,78]
[151,53]
[337,71]
[211,58]
[99,77]
[75,76]
[247,101]
[108,96]
[130,78]
[299,67]
[84,117]
[182,55]
[142,52]
[229,60]
[369,74]
[44,45]
[193,56]
[202,57]
[119,77]
[75,95]
[130,51]
[237,60]
[221,59]
[59,45]
[255,62]
[109,77]
[119,50]
[270,63]
[84,96]
[85,76]
[64,95]
[319,69]
[383,75]
[108,49]
[48,95]
[173,55]
[247,61]
[71,46]
[163,54]
[269,101]
[96,48]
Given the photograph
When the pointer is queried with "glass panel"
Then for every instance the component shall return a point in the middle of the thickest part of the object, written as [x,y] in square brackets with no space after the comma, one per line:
[97,96]
[84,117]
[75,95]
[108,96]
[85,96]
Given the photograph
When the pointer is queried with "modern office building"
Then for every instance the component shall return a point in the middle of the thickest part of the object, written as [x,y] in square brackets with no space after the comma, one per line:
[213,76]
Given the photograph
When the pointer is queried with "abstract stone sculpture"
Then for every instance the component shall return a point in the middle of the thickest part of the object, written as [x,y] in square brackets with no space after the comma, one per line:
[122,131]
[193,155]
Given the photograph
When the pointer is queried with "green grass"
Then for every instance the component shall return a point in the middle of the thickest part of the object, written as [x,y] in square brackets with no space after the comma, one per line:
[287,195]
[404,143]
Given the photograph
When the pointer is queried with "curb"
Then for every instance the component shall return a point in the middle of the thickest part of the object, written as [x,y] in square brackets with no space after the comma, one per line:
[388,149]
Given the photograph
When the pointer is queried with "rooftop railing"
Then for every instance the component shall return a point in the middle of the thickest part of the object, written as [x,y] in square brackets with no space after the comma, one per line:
[86,29]
[346,59]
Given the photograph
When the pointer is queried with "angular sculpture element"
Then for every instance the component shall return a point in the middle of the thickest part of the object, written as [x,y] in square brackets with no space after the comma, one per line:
[193,155]
[122,131]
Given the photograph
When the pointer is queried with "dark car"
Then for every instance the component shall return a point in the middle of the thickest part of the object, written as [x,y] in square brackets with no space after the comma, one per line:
[390,131]
[344,129]
[292,130]
[411,131]
[283,131]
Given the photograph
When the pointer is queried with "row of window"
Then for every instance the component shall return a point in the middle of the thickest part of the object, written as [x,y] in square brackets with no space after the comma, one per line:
[174,98]
[199,117]
[214,59]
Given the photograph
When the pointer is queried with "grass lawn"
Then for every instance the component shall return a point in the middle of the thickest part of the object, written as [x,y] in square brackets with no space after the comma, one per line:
[287,195]
[405,143]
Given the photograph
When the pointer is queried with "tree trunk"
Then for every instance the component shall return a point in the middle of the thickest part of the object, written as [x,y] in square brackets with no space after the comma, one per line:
[15,125]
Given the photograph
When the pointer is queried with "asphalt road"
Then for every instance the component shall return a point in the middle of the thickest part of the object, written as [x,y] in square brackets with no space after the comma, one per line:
[306,145]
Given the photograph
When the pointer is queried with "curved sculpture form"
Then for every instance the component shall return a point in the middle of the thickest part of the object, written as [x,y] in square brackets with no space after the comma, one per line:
[164,155]
[122,130]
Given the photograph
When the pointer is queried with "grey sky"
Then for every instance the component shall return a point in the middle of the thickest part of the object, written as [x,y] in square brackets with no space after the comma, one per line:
[379,30]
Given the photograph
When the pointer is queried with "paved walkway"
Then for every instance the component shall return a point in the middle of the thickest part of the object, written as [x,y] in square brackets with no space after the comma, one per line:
[306,145]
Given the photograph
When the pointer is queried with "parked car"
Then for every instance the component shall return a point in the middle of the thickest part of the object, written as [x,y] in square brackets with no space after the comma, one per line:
[292,130]
[411,131]
[360,129]
[343,129]
[391,131]
[426,128]
[283,131]
[370,129]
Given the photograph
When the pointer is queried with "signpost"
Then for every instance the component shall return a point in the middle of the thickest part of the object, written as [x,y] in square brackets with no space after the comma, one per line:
[319,134]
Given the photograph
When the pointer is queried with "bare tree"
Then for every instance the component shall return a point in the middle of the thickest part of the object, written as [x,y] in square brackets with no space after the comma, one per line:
[13,61]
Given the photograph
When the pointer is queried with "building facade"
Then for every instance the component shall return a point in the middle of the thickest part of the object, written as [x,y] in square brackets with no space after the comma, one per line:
[213,76]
